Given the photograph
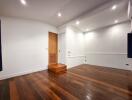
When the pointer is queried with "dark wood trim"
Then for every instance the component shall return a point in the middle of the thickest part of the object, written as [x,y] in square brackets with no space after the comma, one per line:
[0,49]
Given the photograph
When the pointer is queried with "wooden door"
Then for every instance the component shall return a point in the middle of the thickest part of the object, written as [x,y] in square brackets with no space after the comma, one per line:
[53,48]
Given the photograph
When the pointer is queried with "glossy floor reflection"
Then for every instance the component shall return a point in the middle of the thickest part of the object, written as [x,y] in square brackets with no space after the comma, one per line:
[84,82]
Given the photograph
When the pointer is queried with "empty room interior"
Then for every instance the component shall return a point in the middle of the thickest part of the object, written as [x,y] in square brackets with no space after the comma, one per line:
[65,49]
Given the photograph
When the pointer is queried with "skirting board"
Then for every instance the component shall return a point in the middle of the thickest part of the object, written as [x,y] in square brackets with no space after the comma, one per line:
[21,73]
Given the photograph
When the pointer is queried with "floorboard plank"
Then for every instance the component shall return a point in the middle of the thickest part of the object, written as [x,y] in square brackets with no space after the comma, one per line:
[84,82]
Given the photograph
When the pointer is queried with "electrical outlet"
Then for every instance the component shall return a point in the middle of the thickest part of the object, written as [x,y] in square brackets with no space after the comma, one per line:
[127,64]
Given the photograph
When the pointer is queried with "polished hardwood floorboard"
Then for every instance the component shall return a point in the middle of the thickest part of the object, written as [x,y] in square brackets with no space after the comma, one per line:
[84,82]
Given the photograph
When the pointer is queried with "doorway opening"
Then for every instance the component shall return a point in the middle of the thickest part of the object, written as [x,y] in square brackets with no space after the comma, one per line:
[54,66]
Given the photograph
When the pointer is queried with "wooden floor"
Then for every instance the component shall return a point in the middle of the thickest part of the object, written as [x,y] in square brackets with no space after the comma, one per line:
[84,82]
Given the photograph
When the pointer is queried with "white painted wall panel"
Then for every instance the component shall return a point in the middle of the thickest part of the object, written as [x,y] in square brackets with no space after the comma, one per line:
[24,46]
[75,61]
[74,47]
[108,46]
[62,48]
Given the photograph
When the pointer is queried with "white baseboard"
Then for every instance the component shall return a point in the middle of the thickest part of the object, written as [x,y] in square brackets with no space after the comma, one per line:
[2,77]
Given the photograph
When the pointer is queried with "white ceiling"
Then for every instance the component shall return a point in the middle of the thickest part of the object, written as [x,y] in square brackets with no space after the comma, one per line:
[46,10]
[92,14]
[102,16]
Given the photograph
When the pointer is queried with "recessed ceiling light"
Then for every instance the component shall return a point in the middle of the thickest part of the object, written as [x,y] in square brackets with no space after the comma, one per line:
[114,7]
[59,14]
[77,22]
[23,2]
[87,29]
[116,21]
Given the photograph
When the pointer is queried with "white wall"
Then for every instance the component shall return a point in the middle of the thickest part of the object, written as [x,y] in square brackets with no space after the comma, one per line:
[62,48]
[108,46]
[105,47]
[74,47]
[24,46]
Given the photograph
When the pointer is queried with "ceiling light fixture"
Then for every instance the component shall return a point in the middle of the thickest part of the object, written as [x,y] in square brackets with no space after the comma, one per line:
[59,14]
[23,2]
[114,7]
[87,29]
[116,21]
[77,22]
